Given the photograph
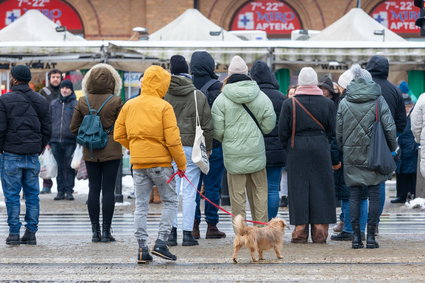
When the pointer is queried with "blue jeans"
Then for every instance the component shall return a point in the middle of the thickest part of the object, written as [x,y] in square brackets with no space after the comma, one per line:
[345,213]
[21,171]
[273,181]
[66,175]
[381,199]
[212,184]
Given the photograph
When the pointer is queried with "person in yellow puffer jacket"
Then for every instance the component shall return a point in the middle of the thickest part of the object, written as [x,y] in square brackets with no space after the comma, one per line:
[147,126]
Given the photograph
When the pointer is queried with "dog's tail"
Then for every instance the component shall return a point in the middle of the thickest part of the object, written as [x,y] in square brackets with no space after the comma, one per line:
[239,225]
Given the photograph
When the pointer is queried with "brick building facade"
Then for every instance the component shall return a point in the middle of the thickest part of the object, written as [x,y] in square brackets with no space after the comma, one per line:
[109,19]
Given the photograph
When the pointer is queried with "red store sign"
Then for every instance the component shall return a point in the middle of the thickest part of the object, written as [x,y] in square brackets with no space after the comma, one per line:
[397,15]
[58,11]
[272,16]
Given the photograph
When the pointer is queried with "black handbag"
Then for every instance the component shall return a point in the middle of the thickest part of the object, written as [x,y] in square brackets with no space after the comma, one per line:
[380,158]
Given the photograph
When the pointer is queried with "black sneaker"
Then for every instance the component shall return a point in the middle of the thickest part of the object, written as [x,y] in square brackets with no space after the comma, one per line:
[69,196]
[342,236]
[144,256]
[28,238]
[160,249]
[59,196]
[283,201]
[13,240]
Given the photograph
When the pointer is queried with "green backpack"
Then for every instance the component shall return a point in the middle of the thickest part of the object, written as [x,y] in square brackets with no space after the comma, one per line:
[91,133]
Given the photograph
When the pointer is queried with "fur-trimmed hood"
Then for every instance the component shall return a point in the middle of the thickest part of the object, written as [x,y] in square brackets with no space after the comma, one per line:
[102,79]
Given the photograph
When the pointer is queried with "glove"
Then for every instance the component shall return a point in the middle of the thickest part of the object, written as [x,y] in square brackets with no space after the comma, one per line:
[180,173]
[337,167]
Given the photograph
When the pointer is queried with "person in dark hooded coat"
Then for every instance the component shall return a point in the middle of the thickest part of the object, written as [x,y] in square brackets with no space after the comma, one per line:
[202,67]
[275,154]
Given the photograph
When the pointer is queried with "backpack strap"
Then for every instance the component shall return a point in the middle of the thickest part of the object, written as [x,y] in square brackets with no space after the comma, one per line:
[103,104]
[91,110]
[208,85]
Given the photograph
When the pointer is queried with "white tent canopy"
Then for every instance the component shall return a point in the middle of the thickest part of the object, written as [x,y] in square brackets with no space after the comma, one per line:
[34,26]
[356,25]
[192,25]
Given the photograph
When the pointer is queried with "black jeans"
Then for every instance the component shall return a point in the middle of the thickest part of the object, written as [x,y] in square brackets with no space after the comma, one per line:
[66,175]
[356,193]
[102,177]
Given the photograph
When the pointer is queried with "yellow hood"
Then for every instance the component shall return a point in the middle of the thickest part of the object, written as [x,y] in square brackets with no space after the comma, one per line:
[155,81]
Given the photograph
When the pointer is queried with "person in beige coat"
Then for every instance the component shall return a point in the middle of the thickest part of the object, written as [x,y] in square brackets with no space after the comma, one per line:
[417,119]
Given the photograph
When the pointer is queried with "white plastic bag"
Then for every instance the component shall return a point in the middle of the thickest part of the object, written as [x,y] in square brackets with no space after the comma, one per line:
[199,151]
[77,157]
[48,165]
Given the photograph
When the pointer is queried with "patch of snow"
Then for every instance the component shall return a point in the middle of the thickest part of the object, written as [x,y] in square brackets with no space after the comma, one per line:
[416,203]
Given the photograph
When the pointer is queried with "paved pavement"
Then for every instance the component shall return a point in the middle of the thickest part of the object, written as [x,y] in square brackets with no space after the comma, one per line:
[65,253]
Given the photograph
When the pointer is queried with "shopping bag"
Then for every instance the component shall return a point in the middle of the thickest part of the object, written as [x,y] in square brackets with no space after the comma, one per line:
[199,151]
[82,171]
[48,165]
[380,158]
[77,157]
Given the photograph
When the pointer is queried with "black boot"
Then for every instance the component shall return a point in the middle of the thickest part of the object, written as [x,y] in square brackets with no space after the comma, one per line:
[172,238]
[188,239]
[371,243]
[95,228]
[60,196]
[144,256]
[160,249]
[13,240]
[106,234]
[357,237]
[28,238]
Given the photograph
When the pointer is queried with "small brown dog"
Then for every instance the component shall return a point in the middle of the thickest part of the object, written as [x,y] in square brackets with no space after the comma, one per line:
[258,239]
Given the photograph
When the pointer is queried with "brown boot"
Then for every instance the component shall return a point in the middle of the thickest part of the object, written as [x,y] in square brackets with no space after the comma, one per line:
[151,197]
[319,233]
[195,231]
[213,232]
[300,234]
[338,227]
[156,196]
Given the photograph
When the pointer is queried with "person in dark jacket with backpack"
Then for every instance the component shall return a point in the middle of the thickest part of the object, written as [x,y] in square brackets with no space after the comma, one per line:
[378,66]
[101,84]
[202,67]
[275,154]
[63,141]
[51,92]
[25,129]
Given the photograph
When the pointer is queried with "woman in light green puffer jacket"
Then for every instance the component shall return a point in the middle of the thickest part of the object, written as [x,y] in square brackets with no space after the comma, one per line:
[243,143]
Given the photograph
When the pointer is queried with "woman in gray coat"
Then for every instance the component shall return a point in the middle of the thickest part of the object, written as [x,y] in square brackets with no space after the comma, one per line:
[355,118]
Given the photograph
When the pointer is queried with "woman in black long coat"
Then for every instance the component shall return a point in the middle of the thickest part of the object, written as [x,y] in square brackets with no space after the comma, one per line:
[310,176]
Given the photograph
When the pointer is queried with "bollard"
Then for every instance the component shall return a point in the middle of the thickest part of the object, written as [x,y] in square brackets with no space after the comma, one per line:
[118,185]
[225,198]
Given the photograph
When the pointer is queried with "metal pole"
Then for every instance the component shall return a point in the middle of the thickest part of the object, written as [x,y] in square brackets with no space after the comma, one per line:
[270,58]
[359,3]
[118,185]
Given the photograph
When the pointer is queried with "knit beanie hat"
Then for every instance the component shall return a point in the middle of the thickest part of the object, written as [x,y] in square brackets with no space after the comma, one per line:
[68,84]
[360,73]
[21,73]
[345,79]
[178,65]
[308,76]
[237,66]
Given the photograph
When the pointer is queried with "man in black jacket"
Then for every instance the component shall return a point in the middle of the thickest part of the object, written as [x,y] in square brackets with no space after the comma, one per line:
[25,129]
[378,66]
[51,92]
[202,67]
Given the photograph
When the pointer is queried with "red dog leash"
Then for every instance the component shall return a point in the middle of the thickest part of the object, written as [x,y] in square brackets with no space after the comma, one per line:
[182,175]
